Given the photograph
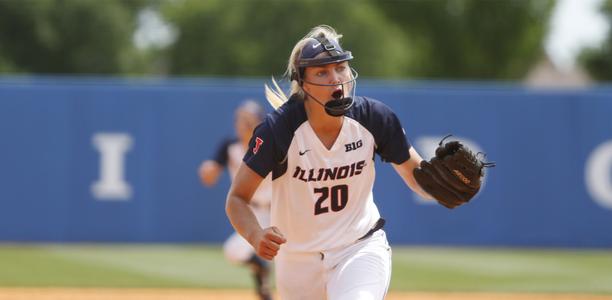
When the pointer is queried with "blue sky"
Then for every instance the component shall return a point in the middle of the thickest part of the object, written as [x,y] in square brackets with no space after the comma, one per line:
[575,24]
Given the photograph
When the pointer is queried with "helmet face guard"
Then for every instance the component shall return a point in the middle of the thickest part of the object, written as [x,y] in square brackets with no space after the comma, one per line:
[340,104]
[313,47]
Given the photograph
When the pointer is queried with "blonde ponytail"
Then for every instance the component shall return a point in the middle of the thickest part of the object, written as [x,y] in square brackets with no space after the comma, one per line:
[275,96]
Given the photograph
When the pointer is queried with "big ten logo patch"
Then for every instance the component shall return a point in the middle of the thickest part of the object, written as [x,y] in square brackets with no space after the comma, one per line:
[353,146]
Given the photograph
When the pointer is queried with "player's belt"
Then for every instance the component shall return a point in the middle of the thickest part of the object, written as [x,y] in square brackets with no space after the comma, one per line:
[379,225]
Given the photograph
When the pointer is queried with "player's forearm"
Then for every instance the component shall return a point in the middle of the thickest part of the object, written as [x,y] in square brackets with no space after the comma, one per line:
[405,170]
[413,163]
[414,186]
[242,218]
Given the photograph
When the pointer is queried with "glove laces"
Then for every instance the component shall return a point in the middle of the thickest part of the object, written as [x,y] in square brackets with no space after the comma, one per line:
[487,164]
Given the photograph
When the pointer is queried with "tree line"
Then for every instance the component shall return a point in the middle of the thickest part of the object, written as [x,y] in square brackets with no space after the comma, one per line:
[427,39]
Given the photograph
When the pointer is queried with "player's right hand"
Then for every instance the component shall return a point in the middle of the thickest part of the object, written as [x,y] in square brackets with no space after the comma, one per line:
[267,242]
[209,173]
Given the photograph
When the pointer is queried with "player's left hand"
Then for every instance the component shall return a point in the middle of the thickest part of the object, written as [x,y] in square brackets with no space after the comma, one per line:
[453,176]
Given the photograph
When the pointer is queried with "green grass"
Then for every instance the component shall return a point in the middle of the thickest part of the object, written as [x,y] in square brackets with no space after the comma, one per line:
[119,266]
[198,266]
[502,270]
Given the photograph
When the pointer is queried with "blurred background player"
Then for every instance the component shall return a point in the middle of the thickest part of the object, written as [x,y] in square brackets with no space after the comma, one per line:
[229,154]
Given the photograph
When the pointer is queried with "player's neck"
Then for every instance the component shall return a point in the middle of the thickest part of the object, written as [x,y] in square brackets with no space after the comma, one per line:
[326,127]
[319,120]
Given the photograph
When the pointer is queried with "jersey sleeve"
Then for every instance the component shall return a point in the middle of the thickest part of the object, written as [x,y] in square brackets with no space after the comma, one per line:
[271,139]
[222,154]
[391,142]
[261,155]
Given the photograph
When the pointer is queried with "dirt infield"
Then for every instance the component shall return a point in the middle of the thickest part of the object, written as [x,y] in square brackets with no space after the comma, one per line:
[199,294]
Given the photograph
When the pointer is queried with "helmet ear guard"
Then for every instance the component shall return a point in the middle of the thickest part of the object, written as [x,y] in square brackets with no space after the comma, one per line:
[311,49]
[295,76]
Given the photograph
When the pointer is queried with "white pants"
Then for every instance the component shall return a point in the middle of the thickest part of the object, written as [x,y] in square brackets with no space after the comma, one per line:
[236,249]
[360,271]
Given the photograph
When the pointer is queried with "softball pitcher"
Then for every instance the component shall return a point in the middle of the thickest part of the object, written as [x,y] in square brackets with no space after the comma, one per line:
[319,146]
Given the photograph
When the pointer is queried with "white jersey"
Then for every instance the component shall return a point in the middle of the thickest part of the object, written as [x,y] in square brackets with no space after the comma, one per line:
[230,154]
[322,198]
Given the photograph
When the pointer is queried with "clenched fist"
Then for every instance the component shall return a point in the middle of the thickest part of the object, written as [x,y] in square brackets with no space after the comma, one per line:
[267,242]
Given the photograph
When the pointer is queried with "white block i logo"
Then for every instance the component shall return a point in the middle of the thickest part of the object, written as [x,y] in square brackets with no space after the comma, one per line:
[111,185]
